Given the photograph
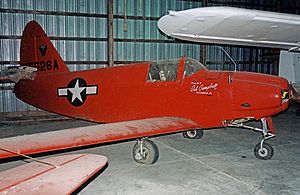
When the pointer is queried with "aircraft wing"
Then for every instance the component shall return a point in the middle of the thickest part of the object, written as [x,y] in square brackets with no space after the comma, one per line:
[67,173]
[233,26]
[83,136]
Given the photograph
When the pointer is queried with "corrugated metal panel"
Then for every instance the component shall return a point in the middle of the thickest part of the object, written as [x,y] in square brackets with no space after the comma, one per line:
[154,51]
[240,56]
[9,50]
[147,29]
[59,25]
[9,102]
[79,6]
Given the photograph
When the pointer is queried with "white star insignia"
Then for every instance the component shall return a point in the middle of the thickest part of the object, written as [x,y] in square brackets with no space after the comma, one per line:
[76,91]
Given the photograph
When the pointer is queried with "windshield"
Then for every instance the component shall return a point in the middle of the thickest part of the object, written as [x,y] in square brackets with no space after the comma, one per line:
[167,70]
[192,66]
[163,70]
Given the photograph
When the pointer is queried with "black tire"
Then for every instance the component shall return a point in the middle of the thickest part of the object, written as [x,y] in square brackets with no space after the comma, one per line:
[264,153]
[193,134]
[151,153]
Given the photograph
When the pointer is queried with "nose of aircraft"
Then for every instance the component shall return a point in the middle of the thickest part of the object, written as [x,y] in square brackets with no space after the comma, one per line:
[252,91]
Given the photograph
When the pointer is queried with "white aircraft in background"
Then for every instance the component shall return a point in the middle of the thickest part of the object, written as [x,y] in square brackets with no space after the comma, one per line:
[243,27]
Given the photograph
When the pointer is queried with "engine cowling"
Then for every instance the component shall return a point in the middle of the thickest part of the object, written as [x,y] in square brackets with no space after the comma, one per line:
[251,91]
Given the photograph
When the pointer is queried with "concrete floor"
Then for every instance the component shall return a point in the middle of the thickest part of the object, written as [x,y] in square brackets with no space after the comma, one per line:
[222,162]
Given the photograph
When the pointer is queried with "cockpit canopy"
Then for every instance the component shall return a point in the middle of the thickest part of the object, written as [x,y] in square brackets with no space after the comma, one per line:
[167,70]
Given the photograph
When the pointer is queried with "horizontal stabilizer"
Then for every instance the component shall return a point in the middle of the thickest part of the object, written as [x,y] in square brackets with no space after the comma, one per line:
[83,136]
[16,74]
[66,175]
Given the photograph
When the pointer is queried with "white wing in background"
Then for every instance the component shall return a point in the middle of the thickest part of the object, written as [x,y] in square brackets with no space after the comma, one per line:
[233,26]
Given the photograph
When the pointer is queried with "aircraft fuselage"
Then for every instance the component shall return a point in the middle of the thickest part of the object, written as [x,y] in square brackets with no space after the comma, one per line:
[126,92]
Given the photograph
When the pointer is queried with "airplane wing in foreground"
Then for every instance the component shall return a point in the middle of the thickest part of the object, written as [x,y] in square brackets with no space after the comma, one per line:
[233,26]
[58,175]
[83,136]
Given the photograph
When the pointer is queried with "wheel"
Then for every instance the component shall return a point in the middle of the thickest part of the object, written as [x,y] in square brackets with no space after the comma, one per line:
[150,152]
[193,134]
[264,153]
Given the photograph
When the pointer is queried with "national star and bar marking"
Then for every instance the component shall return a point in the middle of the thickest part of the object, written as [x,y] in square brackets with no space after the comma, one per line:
[77,91]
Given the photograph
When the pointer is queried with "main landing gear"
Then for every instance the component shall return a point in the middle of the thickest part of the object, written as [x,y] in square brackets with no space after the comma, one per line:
[193,134]
[145,152]
[262,150]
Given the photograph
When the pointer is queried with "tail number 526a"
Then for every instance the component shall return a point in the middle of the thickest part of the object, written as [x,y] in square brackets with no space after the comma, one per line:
[47,65]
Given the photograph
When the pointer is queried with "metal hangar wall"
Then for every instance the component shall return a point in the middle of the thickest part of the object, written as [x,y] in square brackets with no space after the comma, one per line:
[85,32]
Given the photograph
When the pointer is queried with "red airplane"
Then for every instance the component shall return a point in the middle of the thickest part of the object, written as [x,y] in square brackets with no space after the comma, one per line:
[141,100]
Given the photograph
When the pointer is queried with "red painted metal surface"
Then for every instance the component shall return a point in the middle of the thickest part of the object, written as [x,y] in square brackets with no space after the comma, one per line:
[76,137]
[124,93]
[37,178]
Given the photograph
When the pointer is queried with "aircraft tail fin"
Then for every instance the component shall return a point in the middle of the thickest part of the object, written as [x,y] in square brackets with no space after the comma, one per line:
[38,51]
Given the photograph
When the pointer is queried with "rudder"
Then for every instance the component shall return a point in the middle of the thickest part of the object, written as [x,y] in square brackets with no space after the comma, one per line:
[38,51]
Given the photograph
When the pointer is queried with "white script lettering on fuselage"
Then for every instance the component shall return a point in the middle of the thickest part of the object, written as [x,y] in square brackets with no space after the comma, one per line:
[202,89]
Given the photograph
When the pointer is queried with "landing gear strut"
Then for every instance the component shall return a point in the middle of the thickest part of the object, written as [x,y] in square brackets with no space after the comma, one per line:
[262,150]
[145,152]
